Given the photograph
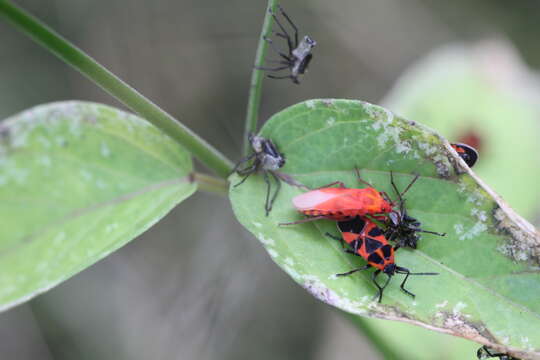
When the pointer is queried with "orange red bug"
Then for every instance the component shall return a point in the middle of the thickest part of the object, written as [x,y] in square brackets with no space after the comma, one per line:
[367,240]
[341,203]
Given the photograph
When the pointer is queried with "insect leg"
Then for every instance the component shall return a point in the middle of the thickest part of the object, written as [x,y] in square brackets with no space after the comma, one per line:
[490,354]
[286,57]
[281,77]
[402,270]
[278,188]
[272,69]
[341,185]
[402,286]
[244,179]
[380,288]
[282,62]
[292,25]
[355,270]
[248,170]
[340,239]
[267,207]
[287,36]
[243,160]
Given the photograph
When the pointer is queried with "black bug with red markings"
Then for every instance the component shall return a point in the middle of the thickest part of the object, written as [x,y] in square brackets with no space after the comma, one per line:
[367,240]
[467,153]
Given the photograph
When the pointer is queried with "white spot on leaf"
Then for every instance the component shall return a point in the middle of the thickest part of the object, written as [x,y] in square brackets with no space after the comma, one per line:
[105,151]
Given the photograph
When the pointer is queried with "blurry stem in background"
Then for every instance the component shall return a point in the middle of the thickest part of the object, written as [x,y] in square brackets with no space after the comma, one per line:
[255,87]
[377,341]
[211,184]
[72,55]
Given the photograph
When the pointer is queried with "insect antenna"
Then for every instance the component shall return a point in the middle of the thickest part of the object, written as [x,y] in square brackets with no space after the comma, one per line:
[430,232]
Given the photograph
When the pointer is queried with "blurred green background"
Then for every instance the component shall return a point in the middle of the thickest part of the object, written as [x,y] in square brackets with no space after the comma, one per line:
[197,286]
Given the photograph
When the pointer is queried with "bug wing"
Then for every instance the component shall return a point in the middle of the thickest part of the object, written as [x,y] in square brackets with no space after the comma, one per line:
[320,199]
[332,200]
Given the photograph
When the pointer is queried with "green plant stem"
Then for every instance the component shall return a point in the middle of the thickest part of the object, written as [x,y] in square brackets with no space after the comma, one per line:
[255,87]
[374,338]
[211,184]
[72,55]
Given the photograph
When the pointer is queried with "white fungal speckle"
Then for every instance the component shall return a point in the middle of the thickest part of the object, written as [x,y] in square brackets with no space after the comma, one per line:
[458,228]
[87,175]
[105,151]
[402,148]
[101,184]
[59,238]
[45,160]
[441,305]
[111,227]
[44,141]
[331,121]
[458,307]
[310,104]
[474,231]
[479,214]
[256,224]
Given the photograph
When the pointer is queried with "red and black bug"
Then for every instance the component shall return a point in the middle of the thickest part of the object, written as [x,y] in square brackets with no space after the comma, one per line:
[266,159]
[367,240]
[484,352]
[401,227]
[467,153]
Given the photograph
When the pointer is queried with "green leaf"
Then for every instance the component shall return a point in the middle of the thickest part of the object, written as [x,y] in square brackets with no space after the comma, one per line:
[488,262]
[78,180]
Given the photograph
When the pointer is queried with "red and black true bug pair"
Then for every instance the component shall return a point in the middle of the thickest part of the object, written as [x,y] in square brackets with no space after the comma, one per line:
[357,211]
